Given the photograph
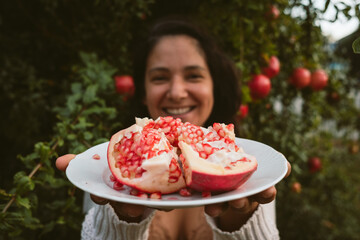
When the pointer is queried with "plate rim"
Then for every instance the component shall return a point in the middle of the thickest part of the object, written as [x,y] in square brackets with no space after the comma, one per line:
[166,204]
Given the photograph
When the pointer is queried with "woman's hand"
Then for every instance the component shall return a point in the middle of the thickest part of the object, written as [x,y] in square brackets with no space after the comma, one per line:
[125,212]
[241,209]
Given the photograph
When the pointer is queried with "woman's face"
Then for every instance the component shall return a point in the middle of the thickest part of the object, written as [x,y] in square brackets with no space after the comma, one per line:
[178,82]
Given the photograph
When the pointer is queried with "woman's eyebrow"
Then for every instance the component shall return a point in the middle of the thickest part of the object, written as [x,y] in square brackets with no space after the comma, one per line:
[195,67]
[158,69]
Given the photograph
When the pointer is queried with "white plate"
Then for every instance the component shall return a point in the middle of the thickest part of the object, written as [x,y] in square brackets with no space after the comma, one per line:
[93,176]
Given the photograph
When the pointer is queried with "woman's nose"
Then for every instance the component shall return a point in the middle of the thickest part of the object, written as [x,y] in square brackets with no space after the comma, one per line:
[177,90]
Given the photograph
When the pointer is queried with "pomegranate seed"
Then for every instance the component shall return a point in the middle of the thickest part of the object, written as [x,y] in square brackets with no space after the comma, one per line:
[185,192]
[118,186]
[134,192]
[112,178]
[156,195]
[142,195]
[206,194]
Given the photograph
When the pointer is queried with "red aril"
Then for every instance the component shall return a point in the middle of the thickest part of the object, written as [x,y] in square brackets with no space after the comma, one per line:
[273,67]
[319,80]
[260,86]
[300,77]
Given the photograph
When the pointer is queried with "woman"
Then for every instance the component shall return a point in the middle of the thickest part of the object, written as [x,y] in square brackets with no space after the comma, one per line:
[180,72]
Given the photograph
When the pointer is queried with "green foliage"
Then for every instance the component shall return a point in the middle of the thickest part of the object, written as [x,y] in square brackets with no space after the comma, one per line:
[356,45]
[58,97]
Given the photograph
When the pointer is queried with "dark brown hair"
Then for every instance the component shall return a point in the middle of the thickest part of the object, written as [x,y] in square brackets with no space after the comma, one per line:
[222,70]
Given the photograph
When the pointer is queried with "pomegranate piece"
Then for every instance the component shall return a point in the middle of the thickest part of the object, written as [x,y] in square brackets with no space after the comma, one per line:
[216,164]
[142,157]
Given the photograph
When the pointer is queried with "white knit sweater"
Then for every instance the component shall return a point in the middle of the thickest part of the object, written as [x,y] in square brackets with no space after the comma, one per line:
[101,223]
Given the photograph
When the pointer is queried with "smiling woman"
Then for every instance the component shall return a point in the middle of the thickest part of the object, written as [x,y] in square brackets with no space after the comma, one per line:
[191,76]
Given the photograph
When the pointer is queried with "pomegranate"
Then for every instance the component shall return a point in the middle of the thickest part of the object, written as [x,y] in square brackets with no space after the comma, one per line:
[142,157]
[243,111]
[273,67]
[296,187]
[319,80]
[124,84]
[146,157]
[260,86]
[300,77]
[273,13]
[314,164]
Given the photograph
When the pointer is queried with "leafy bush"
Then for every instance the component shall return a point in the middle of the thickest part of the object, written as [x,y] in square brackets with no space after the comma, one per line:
[58,61]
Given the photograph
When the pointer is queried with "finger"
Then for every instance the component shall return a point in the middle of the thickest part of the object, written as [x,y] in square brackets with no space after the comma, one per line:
[63,161]
[243,205]
[215,210]
[288,169]
[265,196]
[99,200]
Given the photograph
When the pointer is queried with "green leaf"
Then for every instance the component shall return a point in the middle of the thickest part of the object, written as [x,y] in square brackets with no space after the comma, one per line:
[356,45]
[25,202]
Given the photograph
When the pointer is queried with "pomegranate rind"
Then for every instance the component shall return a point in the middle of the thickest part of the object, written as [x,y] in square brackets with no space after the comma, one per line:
[157,169]
[202,175]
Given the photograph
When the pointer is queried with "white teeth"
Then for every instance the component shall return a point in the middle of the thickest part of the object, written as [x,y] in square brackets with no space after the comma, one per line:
[177,111]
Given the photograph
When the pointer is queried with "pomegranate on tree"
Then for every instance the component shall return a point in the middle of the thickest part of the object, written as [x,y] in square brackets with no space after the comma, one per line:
[314,164]
[145,157]
[273,67]
[260,86]
[124,84]
[319,80]
[300,77]
[243,111]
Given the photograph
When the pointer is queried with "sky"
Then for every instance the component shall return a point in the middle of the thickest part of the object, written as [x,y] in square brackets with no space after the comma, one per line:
[342,27]
[336,30]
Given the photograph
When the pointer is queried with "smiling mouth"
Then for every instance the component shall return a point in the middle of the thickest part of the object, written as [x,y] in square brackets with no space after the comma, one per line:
[178,111]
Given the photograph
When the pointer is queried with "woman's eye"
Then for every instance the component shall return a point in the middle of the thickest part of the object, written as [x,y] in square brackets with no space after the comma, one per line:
[194,77]
[159,79]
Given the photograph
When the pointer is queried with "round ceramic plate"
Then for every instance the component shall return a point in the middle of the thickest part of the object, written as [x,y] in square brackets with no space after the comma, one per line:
[93,175]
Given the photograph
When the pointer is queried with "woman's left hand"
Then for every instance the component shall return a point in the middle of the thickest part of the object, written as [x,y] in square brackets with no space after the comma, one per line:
[243,208]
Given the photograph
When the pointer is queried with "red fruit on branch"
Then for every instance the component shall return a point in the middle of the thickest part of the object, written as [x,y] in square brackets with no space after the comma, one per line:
[319,80]
[296,187]
[314,164]
[273,67]
[243,111]
[300,77]
[145,157]
[260,86]
[273,13]
[124,84]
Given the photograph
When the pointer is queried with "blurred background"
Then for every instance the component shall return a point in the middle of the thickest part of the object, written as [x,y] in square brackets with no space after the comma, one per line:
[59,66]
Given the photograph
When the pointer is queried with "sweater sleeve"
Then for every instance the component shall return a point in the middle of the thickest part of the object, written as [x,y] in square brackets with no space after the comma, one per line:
[261,225]
[101,222]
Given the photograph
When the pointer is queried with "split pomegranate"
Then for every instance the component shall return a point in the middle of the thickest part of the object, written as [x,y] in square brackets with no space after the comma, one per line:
[142,157]
[146,157]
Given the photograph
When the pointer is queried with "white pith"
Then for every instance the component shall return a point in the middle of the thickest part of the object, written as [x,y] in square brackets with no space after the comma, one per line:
[217,164]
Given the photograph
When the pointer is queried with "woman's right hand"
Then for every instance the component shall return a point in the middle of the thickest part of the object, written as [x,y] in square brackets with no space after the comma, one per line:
[125,212]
